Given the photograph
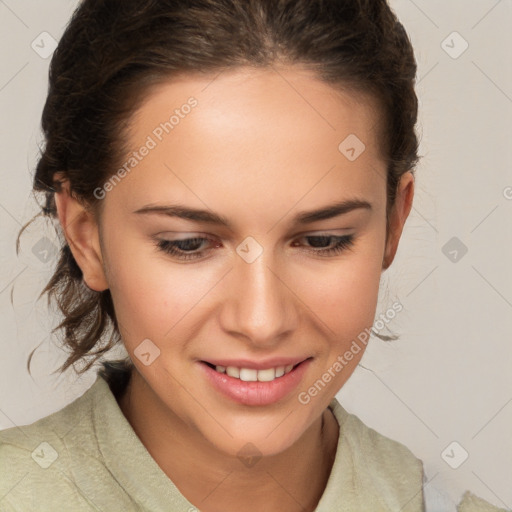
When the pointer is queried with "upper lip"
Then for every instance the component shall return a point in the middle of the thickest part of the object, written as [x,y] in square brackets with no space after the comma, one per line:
[256,365]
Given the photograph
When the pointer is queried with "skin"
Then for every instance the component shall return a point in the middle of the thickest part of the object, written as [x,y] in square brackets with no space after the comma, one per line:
[260,147]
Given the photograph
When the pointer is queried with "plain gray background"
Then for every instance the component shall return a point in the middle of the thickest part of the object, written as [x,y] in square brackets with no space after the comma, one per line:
[448,379]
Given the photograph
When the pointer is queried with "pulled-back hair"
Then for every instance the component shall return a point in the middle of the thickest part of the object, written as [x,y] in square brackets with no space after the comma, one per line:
[113,51]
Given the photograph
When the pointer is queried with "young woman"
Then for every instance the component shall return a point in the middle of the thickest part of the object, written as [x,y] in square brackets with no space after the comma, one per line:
[231,179]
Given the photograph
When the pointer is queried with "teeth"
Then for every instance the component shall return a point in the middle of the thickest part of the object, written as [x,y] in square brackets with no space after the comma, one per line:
[266,375]
[248,375]
[233,372]
[251,375]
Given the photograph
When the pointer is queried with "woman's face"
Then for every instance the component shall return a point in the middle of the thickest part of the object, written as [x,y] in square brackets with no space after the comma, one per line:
[240,169]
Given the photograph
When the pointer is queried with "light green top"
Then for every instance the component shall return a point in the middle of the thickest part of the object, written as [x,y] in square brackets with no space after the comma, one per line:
[472,503]
[87,457]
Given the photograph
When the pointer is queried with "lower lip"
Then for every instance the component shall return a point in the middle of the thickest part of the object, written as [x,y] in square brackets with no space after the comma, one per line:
[256,393]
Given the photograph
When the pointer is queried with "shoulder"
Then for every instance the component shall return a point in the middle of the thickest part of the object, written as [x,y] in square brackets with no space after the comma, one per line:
[387,455]
[38,461]
[52,428]
[381,467]
[472,503]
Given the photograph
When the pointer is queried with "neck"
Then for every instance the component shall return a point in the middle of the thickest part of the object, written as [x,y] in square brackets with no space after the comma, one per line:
[293,480]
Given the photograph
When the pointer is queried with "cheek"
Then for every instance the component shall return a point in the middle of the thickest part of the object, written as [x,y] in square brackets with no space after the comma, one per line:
[345,302]
[150,294]
[344,295]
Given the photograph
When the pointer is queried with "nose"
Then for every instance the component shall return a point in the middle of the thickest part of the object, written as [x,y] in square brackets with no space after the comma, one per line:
[259,304]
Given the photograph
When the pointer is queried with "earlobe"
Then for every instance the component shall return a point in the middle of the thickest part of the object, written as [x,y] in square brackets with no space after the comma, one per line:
[398,216]
[82,234]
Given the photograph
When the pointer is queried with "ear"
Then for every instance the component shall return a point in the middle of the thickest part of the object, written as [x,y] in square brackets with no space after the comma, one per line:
[82,234]
[398,216]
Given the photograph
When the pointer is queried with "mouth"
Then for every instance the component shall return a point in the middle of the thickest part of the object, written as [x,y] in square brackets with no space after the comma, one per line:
[252,374]
[271,382]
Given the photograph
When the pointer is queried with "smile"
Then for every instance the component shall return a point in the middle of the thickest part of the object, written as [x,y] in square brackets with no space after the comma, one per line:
[261,386]
[252,375]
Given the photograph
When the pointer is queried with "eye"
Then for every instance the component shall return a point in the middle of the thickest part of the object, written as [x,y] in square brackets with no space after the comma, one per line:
[189,248]
[186,248]
[337,243]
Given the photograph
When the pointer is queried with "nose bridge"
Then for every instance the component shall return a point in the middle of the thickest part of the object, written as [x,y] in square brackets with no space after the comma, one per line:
[259,306]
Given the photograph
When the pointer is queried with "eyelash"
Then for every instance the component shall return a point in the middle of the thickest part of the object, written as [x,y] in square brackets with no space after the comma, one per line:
[172,246]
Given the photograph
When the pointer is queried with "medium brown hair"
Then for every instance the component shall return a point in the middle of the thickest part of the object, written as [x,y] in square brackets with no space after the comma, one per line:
[112,53]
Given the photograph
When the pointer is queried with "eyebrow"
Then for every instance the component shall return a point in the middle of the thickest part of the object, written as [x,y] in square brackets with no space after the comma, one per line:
[302,218]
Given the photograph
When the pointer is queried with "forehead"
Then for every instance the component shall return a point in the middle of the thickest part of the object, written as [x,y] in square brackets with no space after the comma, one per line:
[244,99]
[253,133]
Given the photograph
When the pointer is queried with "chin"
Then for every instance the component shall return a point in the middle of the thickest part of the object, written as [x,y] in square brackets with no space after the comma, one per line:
[265,439]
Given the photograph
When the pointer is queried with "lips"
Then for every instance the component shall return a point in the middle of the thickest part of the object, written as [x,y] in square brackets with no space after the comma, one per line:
[251,371]
[253,375]
[256,365]
[248,390]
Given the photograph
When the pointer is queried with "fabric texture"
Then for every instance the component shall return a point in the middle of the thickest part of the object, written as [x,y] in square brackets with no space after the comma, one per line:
[472,503]
[87,457]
